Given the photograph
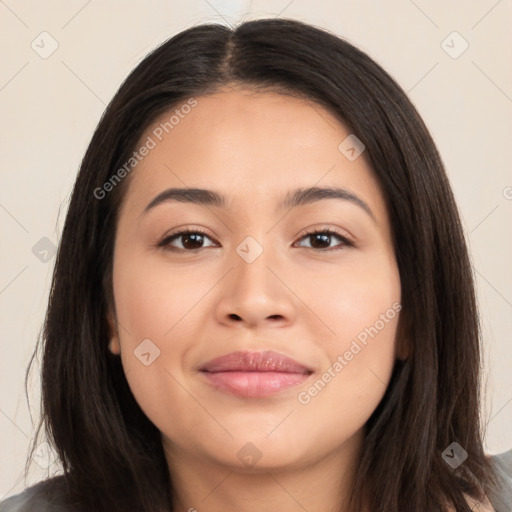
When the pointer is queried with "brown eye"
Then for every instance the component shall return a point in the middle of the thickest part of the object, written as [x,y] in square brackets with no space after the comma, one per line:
[322,240]
[186,241]
[192,241]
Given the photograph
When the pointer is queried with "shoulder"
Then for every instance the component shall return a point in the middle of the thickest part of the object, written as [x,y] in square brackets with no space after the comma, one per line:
[501,498]
[480,506]
[45,496]
[476,506]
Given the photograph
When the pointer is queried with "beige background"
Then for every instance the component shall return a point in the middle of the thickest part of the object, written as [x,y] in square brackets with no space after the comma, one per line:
[50,107]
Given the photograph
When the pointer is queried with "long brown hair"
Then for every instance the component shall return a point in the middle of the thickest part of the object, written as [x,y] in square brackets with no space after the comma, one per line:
[111,453]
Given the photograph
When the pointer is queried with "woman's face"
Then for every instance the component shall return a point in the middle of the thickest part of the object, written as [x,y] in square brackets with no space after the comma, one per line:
[255,280]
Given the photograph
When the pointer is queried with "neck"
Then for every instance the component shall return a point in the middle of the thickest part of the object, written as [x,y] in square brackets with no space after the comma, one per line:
[322,485]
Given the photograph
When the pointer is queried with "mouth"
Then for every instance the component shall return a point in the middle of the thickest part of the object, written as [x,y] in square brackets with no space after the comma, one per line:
[254,374]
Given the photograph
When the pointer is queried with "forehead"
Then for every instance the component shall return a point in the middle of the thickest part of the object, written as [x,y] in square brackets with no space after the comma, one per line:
[253,146]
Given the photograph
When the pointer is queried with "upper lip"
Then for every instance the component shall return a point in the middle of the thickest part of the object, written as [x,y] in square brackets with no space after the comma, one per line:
[263,361]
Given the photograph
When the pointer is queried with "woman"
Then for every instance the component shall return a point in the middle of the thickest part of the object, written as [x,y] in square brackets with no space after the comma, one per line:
[262,298]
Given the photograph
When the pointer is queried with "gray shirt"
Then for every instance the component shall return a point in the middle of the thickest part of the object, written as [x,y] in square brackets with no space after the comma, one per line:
[37,499]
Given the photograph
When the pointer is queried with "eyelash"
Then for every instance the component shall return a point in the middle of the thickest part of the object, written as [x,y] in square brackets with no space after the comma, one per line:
[165,243]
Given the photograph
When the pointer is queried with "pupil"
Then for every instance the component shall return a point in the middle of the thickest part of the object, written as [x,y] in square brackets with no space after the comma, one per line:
[322,238]
[192,241]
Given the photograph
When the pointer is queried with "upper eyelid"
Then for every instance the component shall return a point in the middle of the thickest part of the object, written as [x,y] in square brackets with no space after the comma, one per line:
[325,229]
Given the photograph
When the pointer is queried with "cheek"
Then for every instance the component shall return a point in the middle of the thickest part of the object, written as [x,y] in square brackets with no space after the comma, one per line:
[157,310]
[343,396]
[361,306]
[353,297]
[152,301]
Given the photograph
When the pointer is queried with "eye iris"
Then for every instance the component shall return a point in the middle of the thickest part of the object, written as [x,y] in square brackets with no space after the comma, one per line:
[320,240]
[192,240]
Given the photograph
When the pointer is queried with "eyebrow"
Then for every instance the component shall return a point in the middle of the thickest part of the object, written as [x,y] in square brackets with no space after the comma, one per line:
[297,197]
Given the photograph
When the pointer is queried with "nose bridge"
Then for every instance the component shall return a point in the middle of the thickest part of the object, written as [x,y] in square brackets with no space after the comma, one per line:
[252,262]
[255,294]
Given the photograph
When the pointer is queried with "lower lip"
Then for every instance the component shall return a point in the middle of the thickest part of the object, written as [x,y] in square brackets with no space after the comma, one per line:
[254,384]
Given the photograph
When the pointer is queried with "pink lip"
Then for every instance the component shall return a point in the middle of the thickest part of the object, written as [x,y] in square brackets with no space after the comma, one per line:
[254,374]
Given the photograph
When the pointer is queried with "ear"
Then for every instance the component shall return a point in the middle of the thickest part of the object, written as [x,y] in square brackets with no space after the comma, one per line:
[113,345]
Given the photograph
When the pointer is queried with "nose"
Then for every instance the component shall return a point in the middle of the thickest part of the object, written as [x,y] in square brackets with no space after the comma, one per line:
[257,294]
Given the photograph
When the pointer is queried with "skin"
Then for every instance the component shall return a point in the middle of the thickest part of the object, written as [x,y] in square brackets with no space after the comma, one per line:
[308,303]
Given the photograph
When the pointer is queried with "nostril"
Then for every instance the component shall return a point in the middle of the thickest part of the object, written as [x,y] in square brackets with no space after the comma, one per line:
[234,316]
